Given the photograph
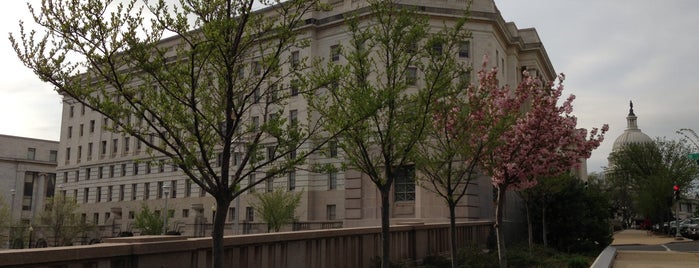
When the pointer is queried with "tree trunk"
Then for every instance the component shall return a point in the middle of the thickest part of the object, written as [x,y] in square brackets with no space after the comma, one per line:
[452,232]
[385,230]
[530,232]
[543,225]
[500,203]
[217,233]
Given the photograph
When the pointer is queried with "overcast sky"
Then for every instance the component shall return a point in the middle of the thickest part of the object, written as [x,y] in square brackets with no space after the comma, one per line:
[611,51]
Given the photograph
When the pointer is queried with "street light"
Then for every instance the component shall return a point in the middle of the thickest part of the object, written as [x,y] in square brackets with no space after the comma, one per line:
[12,208]
[166,191]
[31,230]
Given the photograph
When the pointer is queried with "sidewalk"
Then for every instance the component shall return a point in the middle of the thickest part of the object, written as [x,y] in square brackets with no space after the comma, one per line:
[655,259]
[641,237]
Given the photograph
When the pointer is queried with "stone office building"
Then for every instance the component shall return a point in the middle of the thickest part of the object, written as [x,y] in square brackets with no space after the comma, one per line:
[111,175]
[27,175]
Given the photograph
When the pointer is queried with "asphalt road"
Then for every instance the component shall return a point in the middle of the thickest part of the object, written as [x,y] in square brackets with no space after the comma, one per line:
[692,246]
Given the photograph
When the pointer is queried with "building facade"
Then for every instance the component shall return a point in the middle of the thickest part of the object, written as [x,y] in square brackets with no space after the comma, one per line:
[112,175]
[27,175]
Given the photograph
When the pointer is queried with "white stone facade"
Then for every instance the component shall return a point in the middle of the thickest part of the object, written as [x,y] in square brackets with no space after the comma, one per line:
[27,175]
[110,176]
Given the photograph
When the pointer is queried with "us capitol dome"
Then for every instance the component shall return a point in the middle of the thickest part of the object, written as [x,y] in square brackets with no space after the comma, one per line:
[632,134]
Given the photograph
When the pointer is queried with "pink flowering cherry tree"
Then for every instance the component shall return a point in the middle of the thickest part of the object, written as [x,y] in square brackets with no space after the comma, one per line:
[539,138]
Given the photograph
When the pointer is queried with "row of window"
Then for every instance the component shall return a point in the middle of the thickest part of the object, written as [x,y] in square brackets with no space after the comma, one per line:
[115,193]
[119,170]
[31,154]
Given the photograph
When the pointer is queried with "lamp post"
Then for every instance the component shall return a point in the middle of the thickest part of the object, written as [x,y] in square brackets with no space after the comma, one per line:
[31,230]
[12,208]
[166,191]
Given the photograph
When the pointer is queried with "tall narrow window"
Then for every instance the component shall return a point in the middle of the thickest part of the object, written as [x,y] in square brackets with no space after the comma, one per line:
[330,212]
[270,184]
[187,187]
[89,151]
[53,155]
[411,76]
[115,146]
[332,148]
[98,198]
[127,142]
[335,52]
[80,153]
[28,196]
[294,87]
[67,154]
[134,188]
[146,191]
[405,183]
[292,180]
[159,191]
[295,59]
[86,194]
[71,111]
[87,173]
[111,171]
[109,193]
[249,214]
[100,172]
[81,130]
[122,188]
[31,153]
[251,181]
[464,49]
[123,170]
[135,168]
[92,126]
[293,116]
[70,132]
[332,180]
[173,189]
[103,148]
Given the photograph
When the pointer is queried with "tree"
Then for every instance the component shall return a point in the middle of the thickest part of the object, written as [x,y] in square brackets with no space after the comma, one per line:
[5,217]
[377,93]
[277,207]
[62,219]
[648,171]
[542,139]
[149,222]
[575,214]
[199,98]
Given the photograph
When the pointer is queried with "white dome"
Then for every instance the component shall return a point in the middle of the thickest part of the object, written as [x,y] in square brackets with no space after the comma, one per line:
[632,134]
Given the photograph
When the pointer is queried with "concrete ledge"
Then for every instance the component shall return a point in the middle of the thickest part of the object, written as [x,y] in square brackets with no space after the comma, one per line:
[605,259]
[144,239]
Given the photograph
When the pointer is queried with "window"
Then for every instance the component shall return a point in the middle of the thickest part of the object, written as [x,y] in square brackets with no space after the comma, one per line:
[332,148]
[330,212]
[464,48]
[187,188]
[86,194]
[109,193]
[67,154]
[256,95]
[122,188]
[100,171]
[405,183]
[135,168]
[31,153]
[292,180]
[185,213]
[255,123]
[161,166]
[256,68]
[231,214]
[82,109]
[173,189]
[465,79]
[123,170]
[80,153]
[411,76]
[271,151]
[148,167]
[332,180]
[294,87]
[89,151]
[92,126]
[219,159]
[70,132]
[146,191]
[28,191]
[159,191]
[251,181]
[99,195]
[237,157]
[437,48]
[105,123]
[293,116]
[53,155]
[87,173]
[295,59]
[111,171]
[335,52]
[132,215]
[65,177]
[81,130]
[270,184]
[127,141]
[115,146]
[249,214]
[95,218]
[103,148]
[134,188]
[71,111]
[77,175]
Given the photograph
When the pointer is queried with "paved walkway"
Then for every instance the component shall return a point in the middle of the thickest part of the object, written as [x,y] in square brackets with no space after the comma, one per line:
[648,259]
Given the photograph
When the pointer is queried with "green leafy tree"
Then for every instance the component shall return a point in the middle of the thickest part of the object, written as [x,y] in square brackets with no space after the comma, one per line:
[277,208]
[647,171]
[61,217]
[211,92]
[149,222]
[574,215]
[5,218]
[377,93]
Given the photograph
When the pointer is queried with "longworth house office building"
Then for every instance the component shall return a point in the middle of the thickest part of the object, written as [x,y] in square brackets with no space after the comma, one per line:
[111,175]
